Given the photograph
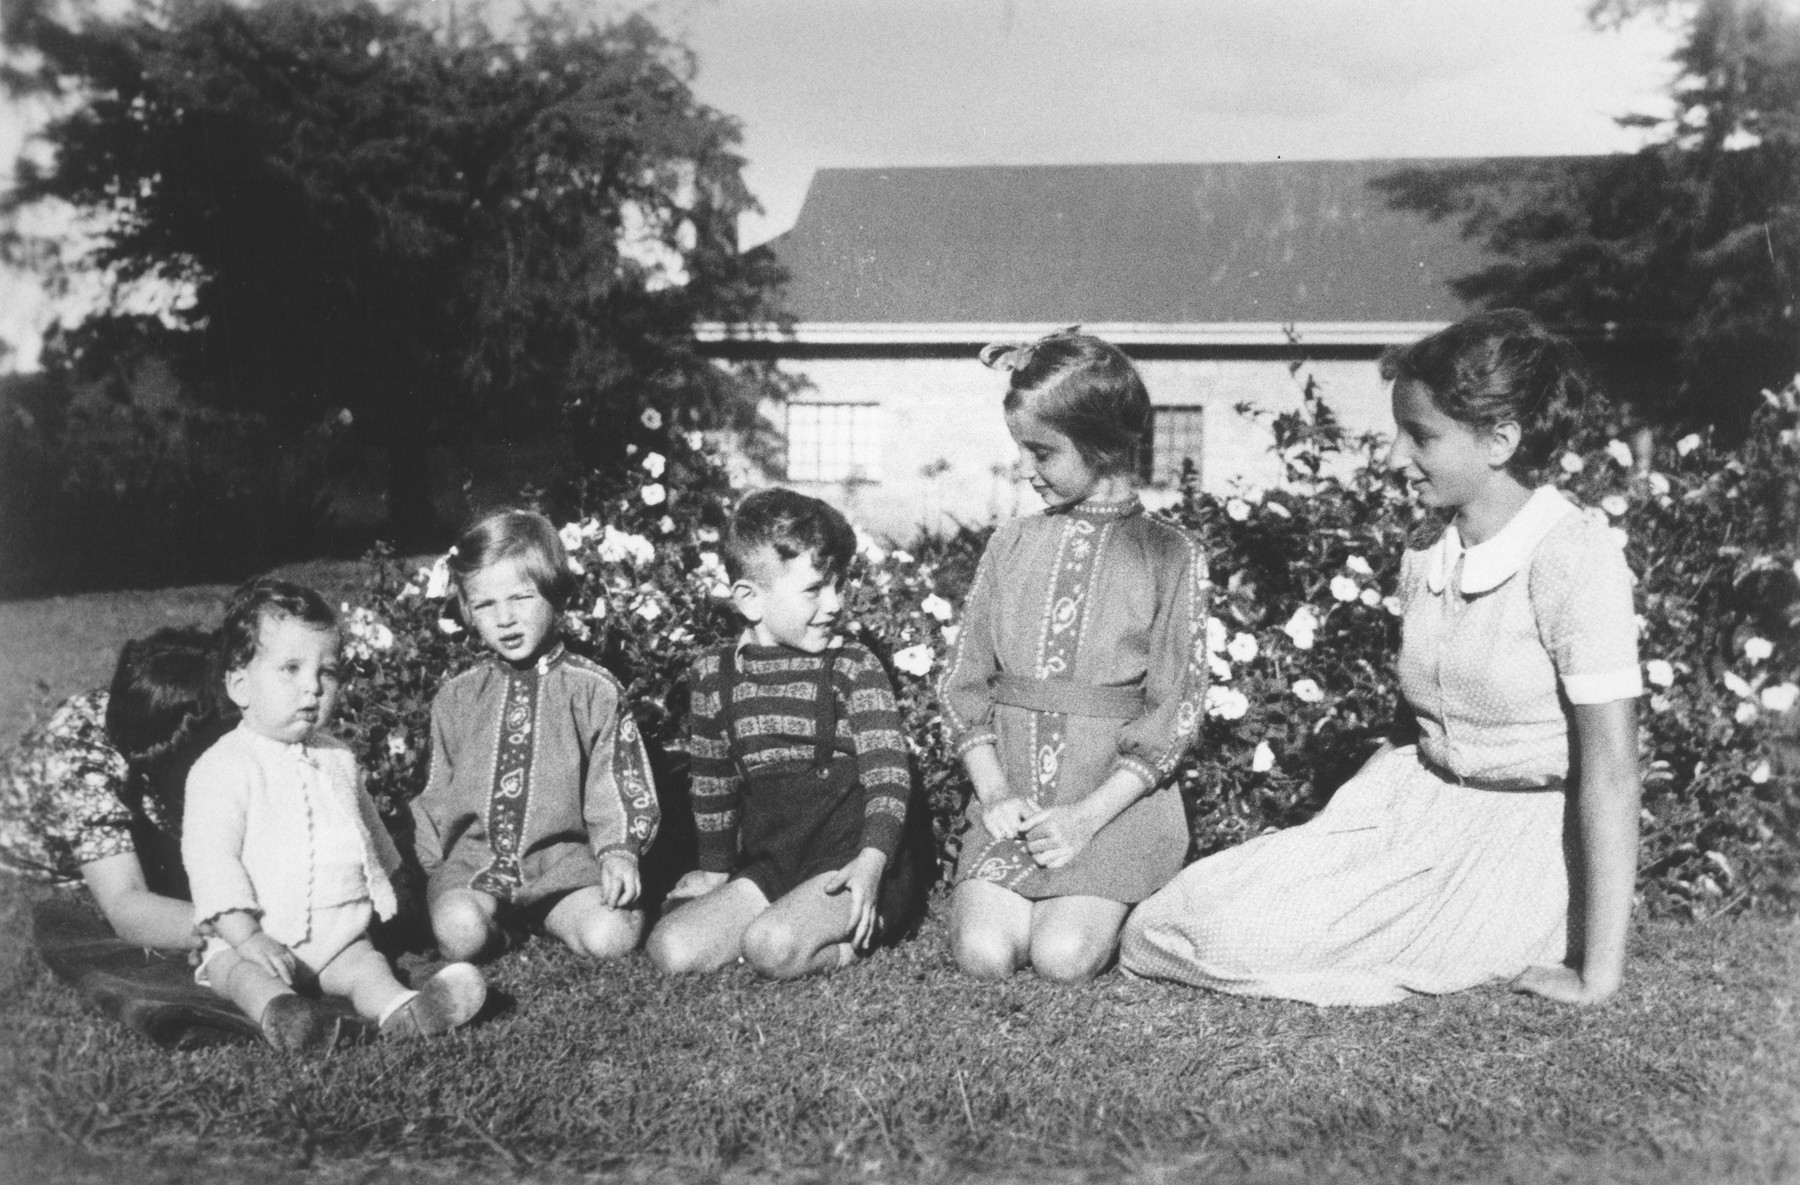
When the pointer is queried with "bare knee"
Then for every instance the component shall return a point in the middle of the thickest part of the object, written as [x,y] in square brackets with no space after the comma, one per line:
[464,928]
[611,934]
[676,949]
[983,952]
[775,947]
[1070,956]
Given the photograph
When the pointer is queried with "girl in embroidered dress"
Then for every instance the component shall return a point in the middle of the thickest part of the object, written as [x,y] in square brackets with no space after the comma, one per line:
[1076,683]
[1442,863]
[287,857]
[539,799]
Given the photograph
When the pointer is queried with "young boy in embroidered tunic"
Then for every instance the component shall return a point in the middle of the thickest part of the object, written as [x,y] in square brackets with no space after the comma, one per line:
[800,784]
[1494,837]
[287,858]
[1077,682]
[539,799]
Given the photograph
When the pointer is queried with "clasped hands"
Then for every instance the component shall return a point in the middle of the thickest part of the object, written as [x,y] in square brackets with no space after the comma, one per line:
[1053,835]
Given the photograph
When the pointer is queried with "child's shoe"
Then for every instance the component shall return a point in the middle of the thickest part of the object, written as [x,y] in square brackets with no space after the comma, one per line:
[294,1024]
[450,998]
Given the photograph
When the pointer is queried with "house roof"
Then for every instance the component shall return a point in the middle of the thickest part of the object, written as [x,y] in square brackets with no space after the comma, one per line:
[1223,252]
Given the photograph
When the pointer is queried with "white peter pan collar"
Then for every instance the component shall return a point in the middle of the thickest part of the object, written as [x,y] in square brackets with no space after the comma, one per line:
[1488,565]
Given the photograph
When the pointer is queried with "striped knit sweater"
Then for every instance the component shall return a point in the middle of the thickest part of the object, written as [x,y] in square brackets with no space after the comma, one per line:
[776,695]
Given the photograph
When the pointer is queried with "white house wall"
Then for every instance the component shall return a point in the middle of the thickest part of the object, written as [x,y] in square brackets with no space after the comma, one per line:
[946,457]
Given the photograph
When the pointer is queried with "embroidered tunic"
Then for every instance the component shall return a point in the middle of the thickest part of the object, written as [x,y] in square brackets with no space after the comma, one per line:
[1083,652]
[1440,865]
[534,775]
[775,713]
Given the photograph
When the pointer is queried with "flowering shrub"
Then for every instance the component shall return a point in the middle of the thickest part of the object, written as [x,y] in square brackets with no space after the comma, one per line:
[1301,640]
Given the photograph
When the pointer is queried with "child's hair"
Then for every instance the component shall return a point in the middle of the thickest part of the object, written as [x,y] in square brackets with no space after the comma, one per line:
[163,710]
[1086,388]
[790,525]
[256,602]
[1499,366]
[521,535]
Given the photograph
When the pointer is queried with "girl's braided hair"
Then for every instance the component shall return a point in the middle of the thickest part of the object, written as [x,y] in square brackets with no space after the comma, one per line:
[1502,366]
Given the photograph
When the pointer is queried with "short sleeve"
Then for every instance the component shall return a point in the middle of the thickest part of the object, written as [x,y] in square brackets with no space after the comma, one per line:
[61,795]
[1581,594]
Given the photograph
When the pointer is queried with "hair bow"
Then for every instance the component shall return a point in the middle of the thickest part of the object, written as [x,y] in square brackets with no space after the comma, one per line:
[1017,356]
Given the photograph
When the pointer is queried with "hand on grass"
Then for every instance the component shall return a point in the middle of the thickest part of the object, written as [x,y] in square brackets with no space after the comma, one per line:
[862,877]
[619,884]
[1005,819]
[1565,985]
[259,950]
[1057,835]
[697,883]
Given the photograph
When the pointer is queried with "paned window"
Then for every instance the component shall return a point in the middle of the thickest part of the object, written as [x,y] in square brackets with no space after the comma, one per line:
[833,442]
[1177,434]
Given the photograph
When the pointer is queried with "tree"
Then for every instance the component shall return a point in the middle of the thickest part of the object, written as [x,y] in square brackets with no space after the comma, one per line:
[441,231]
[1695,239]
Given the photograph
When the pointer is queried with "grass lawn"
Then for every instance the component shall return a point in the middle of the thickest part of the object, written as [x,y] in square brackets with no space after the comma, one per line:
[900,1069]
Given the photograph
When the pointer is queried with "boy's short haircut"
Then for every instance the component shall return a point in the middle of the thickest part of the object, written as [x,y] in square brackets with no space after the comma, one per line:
[257,601]
[521,535]
[790,525]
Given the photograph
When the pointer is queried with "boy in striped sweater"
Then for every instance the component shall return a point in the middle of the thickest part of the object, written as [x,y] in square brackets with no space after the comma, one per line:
[799,782]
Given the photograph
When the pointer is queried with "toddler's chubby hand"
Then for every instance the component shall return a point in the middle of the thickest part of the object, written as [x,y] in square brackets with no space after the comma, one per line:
[862,877]
[262,951]
[1006,818]
[697,883]
[619,883]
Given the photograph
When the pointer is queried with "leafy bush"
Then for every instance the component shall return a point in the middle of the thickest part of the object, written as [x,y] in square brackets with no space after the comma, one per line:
[1302,639]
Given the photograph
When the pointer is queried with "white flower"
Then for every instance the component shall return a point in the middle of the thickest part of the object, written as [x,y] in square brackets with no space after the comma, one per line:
[1277,509]
[1572,463]
[1659,703]
[1370,597]
[653,464]
[951,634]
[1780,697]
[1736,685]
[1687,444]
[914,660]
[1659,485]
[902,557]
[617,546]
[654,494]
[1221,670]
[1227,703]
[1758,649]
[1238,509]
[396,744]
[1242,648]
[381,637]
[938,607]
[1359,566]
[1215,636]
[570,534]
[1615,504]
[866,545]
[437,583]
[1344,588]
[1620,452]
[1761,773]
[707,535]
[681,635]
[1391,604]
[447,625]
[1263,760]
[1659,672]
[1746,712]
[1307,691]
[1301,627]
[598,613]
[648,609]
[696,440]
[651,419]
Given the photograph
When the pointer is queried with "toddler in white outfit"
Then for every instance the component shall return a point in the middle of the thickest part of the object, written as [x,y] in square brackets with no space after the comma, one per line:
[287,858]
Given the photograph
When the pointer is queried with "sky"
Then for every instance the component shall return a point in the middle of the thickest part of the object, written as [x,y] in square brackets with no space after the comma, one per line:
[835,83]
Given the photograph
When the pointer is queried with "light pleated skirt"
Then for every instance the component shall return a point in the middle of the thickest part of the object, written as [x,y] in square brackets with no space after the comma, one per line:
[1403,883]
